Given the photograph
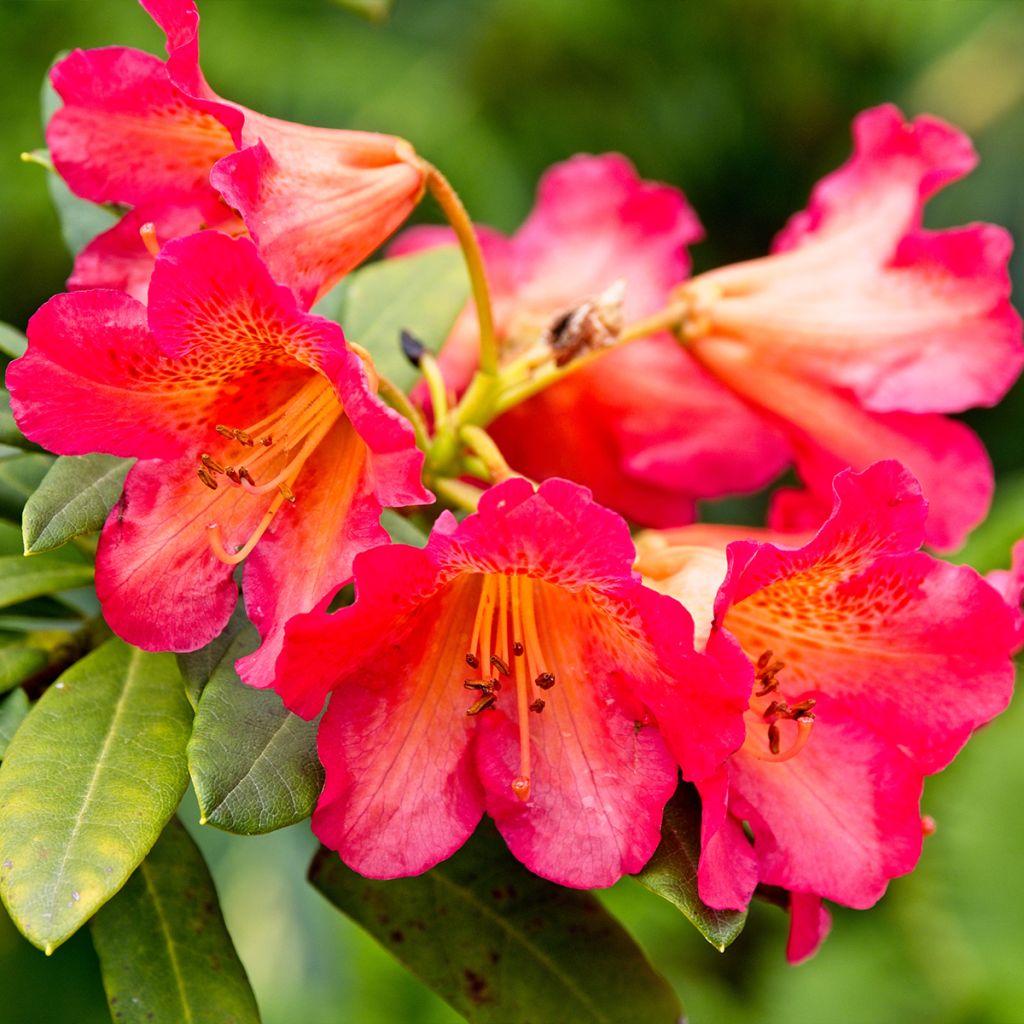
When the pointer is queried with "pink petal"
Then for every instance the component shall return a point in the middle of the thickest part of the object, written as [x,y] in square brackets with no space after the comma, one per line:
[728,871]
[839,819]
[809,925]
[829,432]
[127,134]
[318,201]
[1010,584]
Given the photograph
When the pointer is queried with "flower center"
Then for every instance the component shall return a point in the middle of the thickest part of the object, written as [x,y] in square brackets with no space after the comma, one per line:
[270,455]
[505,648]
[767,709]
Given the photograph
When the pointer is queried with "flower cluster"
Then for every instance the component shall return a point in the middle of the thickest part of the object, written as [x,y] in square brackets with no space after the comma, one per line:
[535,661]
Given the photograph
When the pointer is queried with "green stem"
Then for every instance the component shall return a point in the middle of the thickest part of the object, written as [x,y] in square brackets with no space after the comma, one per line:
[398,401]
[449,201]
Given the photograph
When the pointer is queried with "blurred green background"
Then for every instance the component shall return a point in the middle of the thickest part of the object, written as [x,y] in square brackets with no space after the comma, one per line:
[744,104]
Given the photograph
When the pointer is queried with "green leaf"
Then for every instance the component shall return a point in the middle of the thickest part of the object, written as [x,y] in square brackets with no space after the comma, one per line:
[422,293]
[199,667]
[402,530]
[88,783]
[22,578]
[672,871]
[164,950]
[12,342]
[13,709]
[19,477]
[20,660]
[23,657]
[253,763]
[500,944]
[75,497]
[371,10]
[10,435]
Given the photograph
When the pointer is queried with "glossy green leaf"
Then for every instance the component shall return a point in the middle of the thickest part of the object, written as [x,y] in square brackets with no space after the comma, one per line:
[19,660]
[422,293]
[13,709]
[500,944]
[672,871]
[22,578]
[19,477]
[253,763]
[75,497]
[164,950]
[372,10]
[88,783]
[12,342]
[23,656]
[10,435]
[217,657]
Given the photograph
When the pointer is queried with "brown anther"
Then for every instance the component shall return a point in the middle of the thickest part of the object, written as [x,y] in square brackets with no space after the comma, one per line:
[472,661]
[286,491]
[517,649]
[494,684]
[266,441]
[537,705]
[801,709]
[545,681]
[485,702]
[777,707]
[207,479]
[232,474]
[768,687]
[211,464]
[244,474]
[762,662]
[243,438]
[774,744]
[500,665]
[227,432]
[476,684]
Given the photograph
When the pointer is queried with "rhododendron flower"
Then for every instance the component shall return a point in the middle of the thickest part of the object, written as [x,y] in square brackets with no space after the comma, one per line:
[515,665]
[870,664]
[256,429]
[644,428]
[862,326]
[1010,583]
[153,135]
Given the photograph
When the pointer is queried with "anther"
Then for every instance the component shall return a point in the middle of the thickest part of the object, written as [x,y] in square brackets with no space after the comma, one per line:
[472,661]
[286,492]
[517,649]
[537,705]
[500,665]
[485,702]
[243,438]
[773,738]
[232,474]
[266,441]
[207,479]
[762,662]
[476,684]
[227,432]
[798,710]
[211,464]
[244,474]
[545,681]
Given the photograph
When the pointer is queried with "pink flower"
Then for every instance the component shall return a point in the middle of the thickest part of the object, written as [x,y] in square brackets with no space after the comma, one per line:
[252,422]
[1010,583]
[863,326]
[870,665]
[646,429]
[515,666]
[153,135]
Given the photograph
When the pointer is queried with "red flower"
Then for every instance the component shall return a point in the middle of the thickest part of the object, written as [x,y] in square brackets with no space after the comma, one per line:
[253,422]
[153,135]
[515,665]
[862,326]
[645,429]
[870,665]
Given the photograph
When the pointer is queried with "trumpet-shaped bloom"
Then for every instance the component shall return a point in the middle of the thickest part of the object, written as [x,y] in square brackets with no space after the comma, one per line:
[645,428]
[870,663]
[515,665]
[152,134]
[863,326]
[255,427]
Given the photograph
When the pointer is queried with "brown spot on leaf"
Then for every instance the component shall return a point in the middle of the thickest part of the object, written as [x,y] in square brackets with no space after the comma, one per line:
[476,987]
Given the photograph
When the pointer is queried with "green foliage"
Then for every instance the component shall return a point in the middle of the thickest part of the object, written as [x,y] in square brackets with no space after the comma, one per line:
[10,435]
[22,578]
[672,871]
[163,947]
[13,709]
[252,762]
[74,497]
[12,342]
[402,530]
[218,657]
[500,944]
[19,477]
[422,293]
[89,781]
